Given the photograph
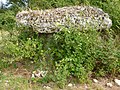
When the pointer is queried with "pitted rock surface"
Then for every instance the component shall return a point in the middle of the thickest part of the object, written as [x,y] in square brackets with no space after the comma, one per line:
[50,20]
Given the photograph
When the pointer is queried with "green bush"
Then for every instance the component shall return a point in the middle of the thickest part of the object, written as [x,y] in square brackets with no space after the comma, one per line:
[29,48]
[7,20]
[78,54]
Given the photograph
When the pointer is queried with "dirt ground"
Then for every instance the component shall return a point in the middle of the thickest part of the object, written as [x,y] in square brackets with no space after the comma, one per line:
[21,71]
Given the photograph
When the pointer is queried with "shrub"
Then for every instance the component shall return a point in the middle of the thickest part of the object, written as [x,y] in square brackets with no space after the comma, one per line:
[78,54]
[24,48]
[7,20]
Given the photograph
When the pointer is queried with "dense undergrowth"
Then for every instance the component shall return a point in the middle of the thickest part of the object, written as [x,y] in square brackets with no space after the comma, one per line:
[69,53]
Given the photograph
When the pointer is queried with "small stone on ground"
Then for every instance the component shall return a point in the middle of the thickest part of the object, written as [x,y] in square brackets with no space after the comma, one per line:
[70,85]
[117,82]
[109,84]
[95,80]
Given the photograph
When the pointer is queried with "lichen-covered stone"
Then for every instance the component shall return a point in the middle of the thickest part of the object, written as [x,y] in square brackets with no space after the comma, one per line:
[48,21]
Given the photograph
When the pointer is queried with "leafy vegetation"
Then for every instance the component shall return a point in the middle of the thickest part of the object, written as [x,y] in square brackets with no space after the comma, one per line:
[69,53]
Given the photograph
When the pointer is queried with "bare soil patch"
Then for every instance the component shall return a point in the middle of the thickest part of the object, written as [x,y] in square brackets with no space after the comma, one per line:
[22,71]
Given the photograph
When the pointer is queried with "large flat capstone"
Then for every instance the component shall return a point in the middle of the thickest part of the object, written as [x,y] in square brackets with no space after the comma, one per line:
[50,20]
